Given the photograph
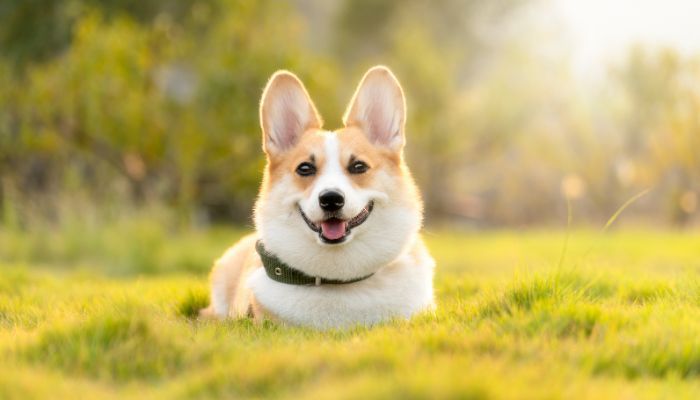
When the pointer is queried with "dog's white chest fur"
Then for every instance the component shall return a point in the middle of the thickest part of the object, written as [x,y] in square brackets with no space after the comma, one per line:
[398,290]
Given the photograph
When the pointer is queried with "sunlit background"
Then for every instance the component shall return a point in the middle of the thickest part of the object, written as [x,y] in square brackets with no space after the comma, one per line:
[556,143]
[110,109]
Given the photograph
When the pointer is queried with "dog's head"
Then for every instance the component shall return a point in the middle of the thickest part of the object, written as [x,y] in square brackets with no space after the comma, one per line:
[339,204]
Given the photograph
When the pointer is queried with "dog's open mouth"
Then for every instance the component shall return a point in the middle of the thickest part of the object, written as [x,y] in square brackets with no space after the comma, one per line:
[334,230]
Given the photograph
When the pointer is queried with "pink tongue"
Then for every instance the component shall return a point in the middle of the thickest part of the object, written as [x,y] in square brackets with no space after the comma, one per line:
[333,229]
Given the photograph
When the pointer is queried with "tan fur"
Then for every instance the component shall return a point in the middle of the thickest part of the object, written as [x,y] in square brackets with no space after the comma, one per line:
[310,146]
[231,270]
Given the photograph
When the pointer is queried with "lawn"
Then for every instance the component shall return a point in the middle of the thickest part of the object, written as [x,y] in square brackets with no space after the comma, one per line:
[109,314]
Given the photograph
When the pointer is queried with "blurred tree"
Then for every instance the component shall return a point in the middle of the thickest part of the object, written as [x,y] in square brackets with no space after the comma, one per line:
[127,102]
[160,110]
[35,30]
[660,124]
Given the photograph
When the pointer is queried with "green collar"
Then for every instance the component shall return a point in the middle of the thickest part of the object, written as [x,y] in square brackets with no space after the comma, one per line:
[278,271]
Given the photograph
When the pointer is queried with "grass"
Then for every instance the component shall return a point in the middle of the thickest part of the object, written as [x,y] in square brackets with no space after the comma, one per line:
[108,314]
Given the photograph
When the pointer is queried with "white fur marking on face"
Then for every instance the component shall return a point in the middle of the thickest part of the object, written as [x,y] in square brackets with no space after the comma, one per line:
[333,176]
[333,171]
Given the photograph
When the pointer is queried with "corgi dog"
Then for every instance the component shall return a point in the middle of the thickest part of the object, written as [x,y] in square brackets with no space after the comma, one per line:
[337,219]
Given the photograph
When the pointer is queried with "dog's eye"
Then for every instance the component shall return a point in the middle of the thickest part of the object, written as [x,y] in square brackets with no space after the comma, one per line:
[306,169]
[358,167]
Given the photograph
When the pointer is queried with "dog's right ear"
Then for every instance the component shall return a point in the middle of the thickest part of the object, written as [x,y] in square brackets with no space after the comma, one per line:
[378,107]
[286,112]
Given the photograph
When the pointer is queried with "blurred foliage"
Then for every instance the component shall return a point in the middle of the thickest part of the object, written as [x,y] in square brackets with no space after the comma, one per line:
[158,110]
[126,104]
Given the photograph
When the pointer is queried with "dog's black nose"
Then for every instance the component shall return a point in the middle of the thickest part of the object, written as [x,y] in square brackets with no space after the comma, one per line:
[331,200]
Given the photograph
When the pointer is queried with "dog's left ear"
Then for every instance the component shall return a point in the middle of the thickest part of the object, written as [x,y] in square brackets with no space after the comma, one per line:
[286,112]
[378,108]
